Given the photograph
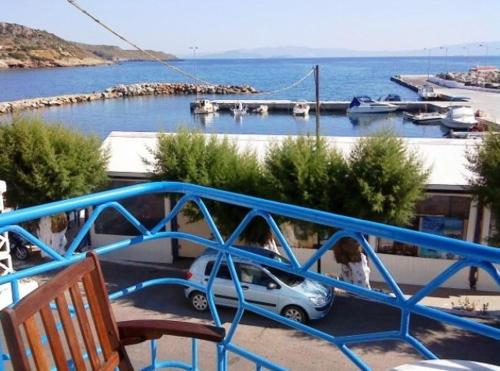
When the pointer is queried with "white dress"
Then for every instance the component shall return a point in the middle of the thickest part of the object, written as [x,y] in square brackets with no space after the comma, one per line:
[55,240]
[357,273]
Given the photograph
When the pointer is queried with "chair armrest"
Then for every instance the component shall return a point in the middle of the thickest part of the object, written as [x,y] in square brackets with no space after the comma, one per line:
[137,331]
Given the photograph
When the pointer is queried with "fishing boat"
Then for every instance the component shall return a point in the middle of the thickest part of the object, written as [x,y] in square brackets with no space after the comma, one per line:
[261,110]
[364,104]
[204,106]
[301,109]
[459,117]
[427,92]
[239,109]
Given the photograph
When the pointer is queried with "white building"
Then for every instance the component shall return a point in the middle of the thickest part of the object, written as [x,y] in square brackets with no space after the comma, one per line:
[447,204]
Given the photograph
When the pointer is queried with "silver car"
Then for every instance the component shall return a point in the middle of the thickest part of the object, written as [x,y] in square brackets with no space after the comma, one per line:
[287,294]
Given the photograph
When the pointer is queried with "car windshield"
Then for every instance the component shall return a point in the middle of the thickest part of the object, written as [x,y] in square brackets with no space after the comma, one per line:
[285,277]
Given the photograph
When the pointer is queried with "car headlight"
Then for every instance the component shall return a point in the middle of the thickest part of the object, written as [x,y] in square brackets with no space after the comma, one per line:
[318,301]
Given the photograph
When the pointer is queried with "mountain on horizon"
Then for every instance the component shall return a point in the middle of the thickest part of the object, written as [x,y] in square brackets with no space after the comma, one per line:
[471,49]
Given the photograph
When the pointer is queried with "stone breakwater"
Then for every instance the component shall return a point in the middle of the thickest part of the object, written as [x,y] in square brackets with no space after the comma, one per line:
[124,91]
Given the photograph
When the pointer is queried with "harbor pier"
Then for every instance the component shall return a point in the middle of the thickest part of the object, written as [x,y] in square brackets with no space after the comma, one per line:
[286,106]
[484,100]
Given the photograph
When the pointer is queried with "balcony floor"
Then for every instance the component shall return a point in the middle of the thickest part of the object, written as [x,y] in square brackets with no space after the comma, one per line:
[283,345]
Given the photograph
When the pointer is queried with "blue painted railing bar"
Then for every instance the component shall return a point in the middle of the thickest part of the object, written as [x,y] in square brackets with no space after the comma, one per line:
[470,255]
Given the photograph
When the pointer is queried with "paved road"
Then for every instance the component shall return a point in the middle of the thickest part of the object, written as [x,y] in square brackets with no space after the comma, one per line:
[289,347]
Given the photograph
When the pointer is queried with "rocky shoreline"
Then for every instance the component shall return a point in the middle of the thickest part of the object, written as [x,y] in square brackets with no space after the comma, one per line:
[483,77]
[124,91]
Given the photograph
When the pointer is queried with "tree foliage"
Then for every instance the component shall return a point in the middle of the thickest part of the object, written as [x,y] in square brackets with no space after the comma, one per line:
[213,162]
[302,172]
[44,162]
[385,180]
[380,180]
[485,164]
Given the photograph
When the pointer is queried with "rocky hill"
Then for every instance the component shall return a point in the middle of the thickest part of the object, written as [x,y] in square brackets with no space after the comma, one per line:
[24,47]
[115,53]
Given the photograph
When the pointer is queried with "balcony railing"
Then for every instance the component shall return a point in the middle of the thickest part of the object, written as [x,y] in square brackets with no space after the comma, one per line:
[469,255]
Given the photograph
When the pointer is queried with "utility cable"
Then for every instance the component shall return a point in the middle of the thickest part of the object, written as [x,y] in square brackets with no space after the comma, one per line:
[171,66]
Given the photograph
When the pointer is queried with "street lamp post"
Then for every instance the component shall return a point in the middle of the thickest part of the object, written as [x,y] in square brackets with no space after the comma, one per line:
[428,62]
[466,48]
[445,58]
[487,50]
[194,49]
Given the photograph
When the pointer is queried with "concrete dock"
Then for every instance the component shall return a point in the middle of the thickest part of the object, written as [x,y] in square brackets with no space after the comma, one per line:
[485,101]
[286,106]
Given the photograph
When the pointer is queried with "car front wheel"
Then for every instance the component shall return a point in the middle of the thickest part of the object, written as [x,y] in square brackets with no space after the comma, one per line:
[199,301]
[295,314]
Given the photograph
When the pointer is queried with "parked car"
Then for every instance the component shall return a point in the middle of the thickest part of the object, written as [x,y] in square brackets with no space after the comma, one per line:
[284,293]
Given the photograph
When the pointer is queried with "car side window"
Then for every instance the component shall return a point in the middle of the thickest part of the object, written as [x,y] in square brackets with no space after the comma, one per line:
[252,274]
[222,273]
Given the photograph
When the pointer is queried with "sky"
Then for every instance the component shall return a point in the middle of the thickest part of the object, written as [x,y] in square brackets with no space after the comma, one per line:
[219,25]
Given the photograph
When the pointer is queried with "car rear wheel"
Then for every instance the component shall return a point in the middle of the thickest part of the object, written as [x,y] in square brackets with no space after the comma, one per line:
[199,301]
[295,314]
[21,252]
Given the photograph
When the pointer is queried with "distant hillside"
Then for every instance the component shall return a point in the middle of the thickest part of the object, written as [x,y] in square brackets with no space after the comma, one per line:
[24,47]
[115,53]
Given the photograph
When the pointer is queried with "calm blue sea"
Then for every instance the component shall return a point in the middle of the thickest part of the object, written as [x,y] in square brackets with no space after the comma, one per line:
[340,79]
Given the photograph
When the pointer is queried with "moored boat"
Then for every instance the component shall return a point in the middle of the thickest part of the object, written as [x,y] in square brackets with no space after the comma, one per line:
[364,104]
[239,109]
[204,106]
[262,109]
[301,109]
[427,92]
[425,118]
[460,117]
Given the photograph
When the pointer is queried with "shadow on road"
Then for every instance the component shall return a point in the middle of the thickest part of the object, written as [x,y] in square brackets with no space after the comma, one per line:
[349,316]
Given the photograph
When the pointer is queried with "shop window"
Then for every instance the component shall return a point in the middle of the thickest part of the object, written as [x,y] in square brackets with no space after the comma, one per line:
[444,215]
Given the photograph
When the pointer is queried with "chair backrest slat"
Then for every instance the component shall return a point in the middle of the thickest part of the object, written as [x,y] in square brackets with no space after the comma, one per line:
[35,342]
[84,323]
[100,325]
[49,323]
[24,314]
[14,341]
[69,330]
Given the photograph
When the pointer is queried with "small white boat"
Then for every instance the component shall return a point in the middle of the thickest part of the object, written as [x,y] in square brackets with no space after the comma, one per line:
[204,106]
[239,109]
[427,92]
[467,134]
[261,110]
[301,109]
[426,118]
[364,104]
[459,117]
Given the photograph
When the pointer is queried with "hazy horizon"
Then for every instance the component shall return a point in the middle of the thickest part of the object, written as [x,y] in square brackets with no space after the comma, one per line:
[222,26]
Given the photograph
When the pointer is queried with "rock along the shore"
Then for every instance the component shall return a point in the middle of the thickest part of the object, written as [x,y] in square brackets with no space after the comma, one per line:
[125,91]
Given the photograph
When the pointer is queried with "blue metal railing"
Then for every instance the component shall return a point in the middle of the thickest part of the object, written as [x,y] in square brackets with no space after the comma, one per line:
[470,255]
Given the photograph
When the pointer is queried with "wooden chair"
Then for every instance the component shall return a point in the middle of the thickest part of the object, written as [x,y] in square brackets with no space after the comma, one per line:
[111,336]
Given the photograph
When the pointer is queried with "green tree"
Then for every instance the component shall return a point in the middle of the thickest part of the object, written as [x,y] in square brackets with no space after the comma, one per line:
[385,180]
[44,162]
[485,164]
[209,161]
[304,172]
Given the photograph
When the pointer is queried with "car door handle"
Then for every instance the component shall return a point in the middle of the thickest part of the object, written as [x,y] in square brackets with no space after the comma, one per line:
[245,287]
